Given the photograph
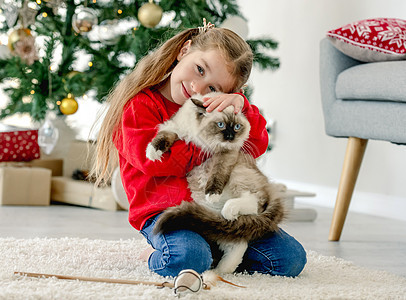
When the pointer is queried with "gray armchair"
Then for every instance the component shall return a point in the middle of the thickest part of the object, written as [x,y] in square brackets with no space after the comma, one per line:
[360,101]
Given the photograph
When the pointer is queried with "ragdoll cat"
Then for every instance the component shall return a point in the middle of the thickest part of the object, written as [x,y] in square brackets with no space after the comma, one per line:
[234,202]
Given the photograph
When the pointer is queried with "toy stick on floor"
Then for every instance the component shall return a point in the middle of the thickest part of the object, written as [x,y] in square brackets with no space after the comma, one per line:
[107,280]
[187,280]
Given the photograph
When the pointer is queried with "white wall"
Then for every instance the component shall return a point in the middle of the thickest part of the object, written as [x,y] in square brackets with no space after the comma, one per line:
[303,153]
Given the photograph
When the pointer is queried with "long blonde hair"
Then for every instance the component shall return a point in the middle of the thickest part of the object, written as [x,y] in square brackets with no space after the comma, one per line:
[152,70]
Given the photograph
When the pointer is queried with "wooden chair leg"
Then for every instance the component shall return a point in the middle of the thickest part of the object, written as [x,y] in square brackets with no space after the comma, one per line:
[352,163]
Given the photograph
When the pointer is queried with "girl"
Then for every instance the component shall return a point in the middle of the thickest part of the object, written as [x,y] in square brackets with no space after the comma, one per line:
[198,60]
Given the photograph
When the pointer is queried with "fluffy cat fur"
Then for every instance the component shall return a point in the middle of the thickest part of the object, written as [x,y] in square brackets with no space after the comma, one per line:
[234,202]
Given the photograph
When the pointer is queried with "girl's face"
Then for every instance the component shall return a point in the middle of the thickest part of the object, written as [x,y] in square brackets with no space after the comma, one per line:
[197,72]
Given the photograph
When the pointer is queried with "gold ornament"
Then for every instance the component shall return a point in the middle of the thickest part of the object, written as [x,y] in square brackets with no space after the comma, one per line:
[68,105]
[150,14]
[16,35]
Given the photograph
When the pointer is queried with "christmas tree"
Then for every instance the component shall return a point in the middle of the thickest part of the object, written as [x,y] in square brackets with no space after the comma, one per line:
[48,39]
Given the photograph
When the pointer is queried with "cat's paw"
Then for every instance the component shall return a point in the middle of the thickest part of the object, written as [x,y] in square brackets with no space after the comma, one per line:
[152,153]
[213,198]
[230,211]
[160,144]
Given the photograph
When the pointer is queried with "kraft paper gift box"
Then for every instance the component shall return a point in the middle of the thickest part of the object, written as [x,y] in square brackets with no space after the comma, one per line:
[67,190]
[25,186]
[83,193]
[55,165]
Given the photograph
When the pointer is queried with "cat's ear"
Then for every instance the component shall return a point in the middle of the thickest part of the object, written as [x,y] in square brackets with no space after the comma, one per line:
[200,109]
[198,103]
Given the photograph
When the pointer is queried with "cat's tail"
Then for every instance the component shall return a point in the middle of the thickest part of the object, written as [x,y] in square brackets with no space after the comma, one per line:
[212,226]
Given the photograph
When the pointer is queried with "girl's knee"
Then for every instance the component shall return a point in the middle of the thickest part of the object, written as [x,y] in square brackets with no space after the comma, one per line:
[180,254]
[194,256]
[294,262]
[293,259]
[280,255]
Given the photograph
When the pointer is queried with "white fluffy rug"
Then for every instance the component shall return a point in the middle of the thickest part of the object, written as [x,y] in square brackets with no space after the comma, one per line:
[323,278]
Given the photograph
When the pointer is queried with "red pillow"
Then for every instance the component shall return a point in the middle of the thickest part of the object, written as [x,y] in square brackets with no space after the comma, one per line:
[379,39]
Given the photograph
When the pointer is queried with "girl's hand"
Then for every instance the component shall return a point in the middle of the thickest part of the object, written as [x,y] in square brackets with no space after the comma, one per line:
[222,101]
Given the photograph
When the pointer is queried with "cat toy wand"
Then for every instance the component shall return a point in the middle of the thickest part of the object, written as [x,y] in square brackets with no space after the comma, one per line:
[94,279]
[187,280]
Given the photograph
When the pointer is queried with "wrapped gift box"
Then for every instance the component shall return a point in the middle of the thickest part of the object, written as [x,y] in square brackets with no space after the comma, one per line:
[18,144]
[55,165]
[25,186]
[64,189]
[67,190]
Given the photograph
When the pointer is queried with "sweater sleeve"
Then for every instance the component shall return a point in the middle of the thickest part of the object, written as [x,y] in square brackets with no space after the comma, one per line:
[139,126]
[258,140]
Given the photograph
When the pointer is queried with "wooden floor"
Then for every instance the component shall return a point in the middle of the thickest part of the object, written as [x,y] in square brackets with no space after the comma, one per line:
[368,241]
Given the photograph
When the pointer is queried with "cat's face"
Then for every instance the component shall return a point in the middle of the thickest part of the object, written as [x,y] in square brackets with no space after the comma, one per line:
[221,130]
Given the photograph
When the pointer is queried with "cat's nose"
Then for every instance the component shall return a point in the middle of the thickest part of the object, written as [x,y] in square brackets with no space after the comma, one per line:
[228,134]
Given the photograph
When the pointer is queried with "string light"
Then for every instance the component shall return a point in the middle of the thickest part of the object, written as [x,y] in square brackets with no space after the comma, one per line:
[90,64]
[38,2]
[44,14]
[119,11]
[32,92]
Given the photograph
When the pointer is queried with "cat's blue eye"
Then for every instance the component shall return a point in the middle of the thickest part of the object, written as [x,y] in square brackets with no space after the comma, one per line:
[220,124]
[237,126]
[200,70]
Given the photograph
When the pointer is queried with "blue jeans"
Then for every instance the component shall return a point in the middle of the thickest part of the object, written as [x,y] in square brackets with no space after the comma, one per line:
[275,254]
